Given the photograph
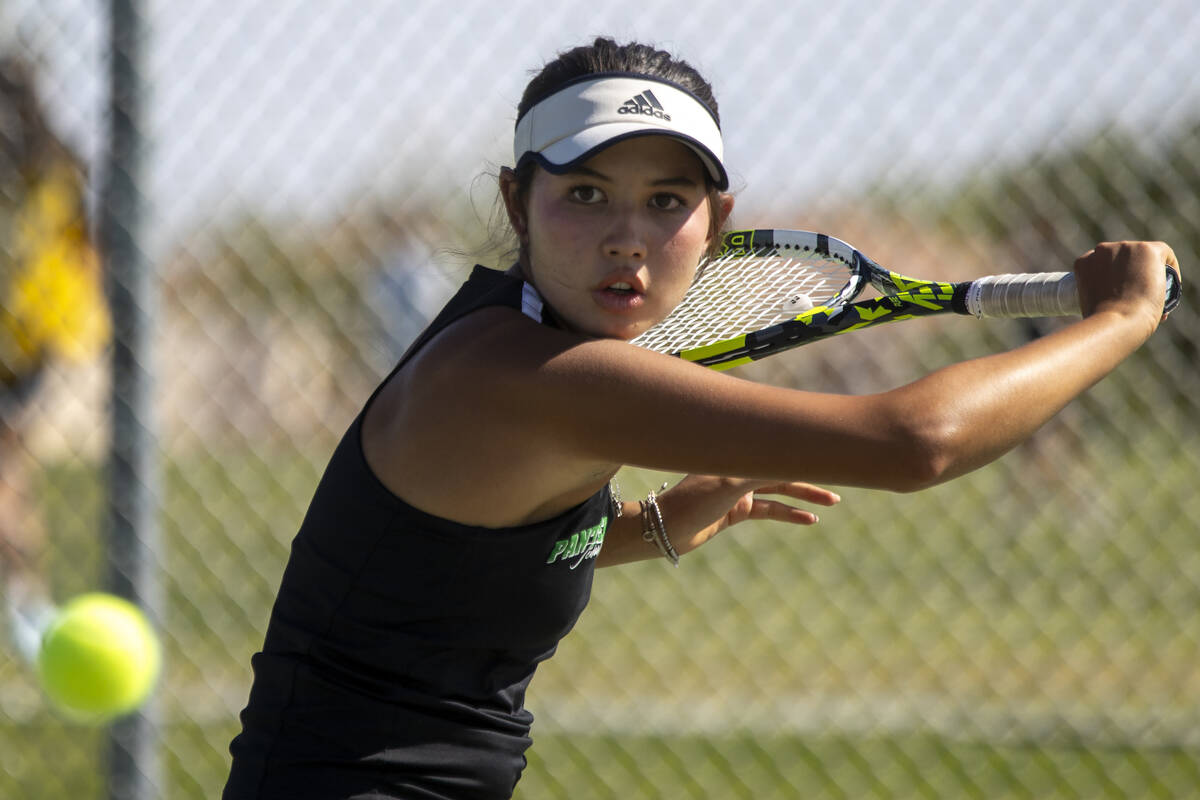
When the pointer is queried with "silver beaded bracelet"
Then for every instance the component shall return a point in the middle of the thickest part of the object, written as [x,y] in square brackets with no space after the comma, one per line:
[654,530]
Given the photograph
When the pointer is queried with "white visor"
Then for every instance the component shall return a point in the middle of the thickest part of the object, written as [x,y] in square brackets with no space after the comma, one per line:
[577,121]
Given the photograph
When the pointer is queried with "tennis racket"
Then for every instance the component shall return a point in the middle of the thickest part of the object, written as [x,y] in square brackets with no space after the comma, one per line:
[771,290]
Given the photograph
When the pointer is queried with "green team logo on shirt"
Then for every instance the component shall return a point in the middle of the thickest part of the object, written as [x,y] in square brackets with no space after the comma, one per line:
[579,546]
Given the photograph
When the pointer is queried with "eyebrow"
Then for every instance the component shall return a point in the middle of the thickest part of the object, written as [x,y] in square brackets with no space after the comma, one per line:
[680,180]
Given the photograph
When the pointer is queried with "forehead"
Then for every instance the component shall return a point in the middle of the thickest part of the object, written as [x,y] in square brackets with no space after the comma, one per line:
[646,156]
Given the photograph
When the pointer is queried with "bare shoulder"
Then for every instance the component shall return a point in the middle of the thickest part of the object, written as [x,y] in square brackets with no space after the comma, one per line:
[497,365]
[463,430]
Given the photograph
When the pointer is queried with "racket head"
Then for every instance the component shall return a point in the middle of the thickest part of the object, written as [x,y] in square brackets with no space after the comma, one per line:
[758,279]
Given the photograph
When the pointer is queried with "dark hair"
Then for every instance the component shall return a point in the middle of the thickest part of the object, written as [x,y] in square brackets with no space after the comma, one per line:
[606,55]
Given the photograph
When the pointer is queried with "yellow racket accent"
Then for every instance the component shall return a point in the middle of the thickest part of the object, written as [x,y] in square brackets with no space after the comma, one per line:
[714,349]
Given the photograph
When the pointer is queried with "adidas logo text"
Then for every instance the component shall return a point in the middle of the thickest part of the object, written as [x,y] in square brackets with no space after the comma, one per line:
[644,103]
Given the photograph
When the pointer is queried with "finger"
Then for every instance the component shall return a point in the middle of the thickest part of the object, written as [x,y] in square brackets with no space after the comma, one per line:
[1171,259]
[802,491]
[782,512]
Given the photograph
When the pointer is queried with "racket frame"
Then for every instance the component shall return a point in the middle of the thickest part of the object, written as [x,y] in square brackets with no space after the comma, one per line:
[902,297]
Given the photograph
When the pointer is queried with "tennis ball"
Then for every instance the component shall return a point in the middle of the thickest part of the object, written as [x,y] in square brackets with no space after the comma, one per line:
[99,658]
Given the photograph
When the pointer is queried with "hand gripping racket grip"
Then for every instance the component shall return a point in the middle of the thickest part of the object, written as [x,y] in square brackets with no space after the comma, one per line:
[1041,294]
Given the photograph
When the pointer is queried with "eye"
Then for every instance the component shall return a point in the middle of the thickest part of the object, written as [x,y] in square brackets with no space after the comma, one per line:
[665,201]
[586,194]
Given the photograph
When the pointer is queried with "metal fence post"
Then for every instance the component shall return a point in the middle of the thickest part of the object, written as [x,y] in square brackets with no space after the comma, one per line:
[133,768]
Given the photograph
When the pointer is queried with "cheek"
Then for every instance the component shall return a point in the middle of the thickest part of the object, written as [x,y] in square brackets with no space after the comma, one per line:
[553,229]
[690,242]
[684,252]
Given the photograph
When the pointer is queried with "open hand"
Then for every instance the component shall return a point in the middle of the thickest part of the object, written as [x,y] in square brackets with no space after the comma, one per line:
[701,506]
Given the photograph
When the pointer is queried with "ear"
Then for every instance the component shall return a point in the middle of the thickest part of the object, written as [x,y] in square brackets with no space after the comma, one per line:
[725,209]
[722,209]
[510,190]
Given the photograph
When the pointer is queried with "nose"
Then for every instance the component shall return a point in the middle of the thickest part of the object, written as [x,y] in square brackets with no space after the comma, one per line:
[625,237]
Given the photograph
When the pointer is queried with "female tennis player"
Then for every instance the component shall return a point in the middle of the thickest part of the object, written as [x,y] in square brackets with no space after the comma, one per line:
[452,540]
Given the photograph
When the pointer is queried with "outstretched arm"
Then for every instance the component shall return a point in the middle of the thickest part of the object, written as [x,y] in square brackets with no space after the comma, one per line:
[681,418]
[978,409]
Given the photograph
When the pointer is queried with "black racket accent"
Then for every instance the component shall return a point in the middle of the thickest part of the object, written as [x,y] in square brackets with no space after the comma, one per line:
[958,303]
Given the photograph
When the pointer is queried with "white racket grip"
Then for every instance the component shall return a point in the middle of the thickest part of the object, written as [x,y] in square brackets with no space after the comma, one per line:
[1038,294]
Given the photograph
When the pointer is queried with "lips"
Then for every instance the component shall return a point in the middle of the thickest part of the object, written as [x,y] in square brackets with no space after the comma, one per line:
[620,293]
[622,281]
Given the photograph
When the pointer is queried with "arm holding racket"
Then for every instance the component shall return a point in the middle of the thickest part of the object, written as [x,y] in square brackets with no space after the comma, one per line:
[988,405]
[953,420]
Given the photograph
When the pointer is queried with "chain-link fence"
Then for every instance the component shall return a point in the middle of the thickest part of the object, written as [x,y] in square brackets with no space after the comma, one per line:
[317,178]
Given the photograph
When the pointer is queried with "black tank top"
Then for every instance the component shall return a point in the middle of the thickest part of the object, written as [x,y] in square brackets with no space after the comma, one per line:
[401,644]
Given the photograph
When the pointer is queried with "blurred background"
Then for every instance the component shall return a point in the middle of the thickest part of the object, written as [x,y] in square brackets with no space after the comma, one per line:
[307,181]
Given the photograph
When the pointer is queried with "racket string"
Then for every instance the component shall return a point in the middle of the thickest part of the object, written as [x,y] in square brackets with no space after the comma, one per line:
[734,296]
